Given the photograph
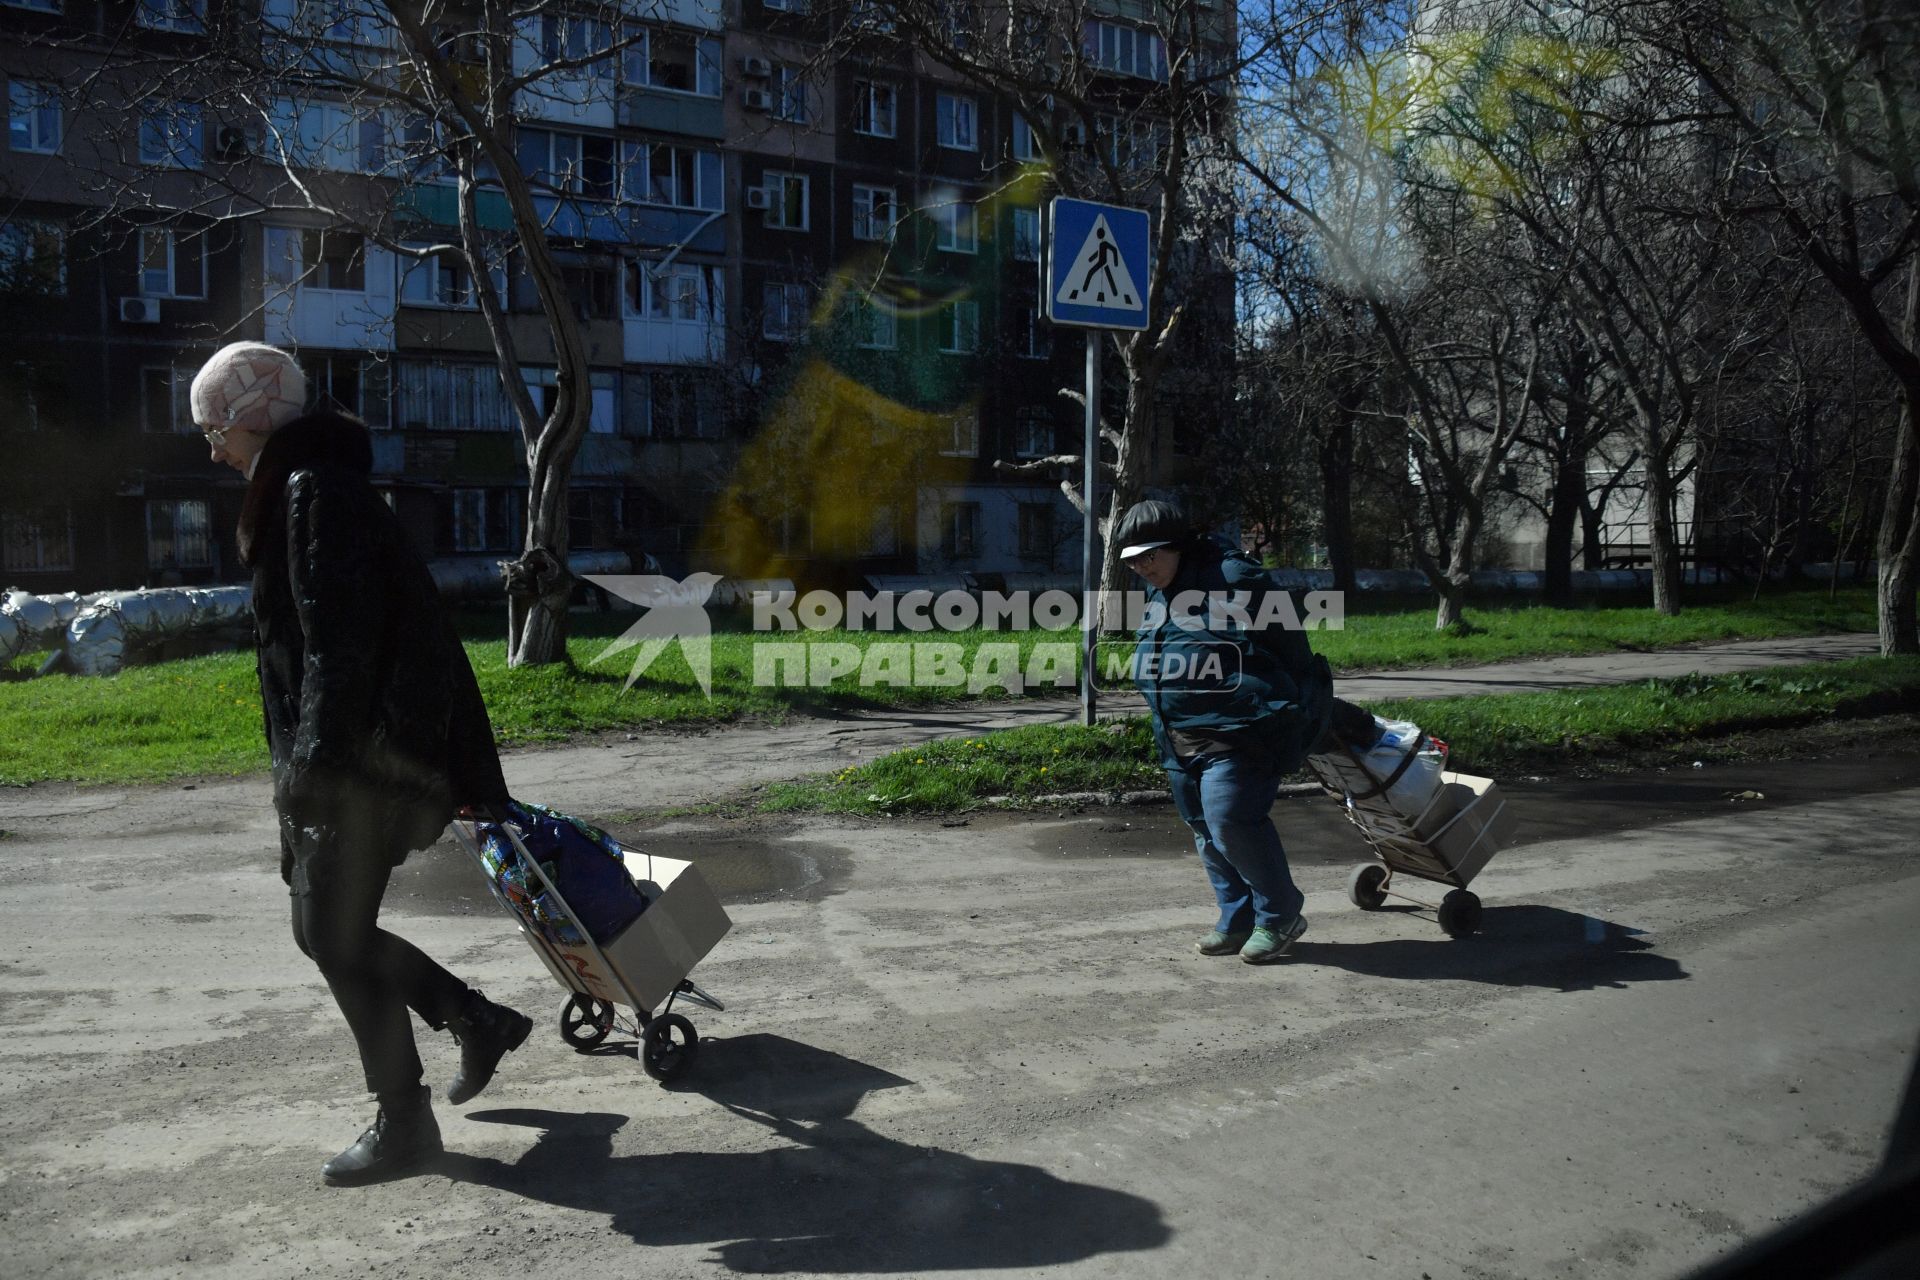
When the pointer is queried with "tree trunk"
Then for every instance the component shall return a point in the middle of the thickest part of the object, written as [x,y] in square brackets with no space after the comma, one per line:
[1563,513]
[1900,517]
[1457,580]
[1129,484]
[1900,537]
[1661,548]
[1336,503]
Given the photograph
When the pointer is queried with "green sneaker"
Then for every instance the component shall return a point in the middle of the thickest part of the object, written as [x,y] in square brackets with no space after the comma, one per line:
[1265,945]
[1217,943]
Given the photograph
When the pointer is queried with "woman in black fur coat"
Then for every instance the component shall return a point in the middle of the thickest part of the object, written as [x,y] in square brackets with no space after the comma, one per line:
[376,730]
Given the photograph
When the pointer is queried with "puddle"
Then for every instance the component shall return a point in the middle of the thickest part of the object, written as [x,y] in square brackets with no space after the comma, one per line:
[741,867]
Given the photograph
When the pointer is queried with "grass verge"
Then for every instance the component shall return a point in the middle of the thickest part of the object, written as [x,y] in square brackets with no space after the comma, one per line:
[200,716]
[1491,733]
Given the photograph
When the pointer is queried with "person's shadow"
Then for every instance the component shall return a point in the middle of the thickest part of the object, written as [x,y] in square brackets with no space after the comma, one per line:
[1521,946]
[831,1196]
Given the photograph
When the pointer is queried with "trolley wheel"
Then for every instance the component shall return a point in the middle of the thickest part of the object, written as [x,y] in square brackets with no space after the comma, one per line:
[1366,887]
[1460,913]
[668,1047]
[585,1021]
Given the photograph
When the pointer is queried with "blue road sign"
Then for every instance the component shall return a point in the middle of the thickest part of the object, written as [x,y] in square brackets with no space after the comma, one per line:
[1097,260]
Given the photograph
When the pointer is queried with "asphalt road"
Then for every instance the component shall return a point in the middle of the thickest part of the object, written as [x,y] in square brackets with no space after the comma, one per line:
[989,1048]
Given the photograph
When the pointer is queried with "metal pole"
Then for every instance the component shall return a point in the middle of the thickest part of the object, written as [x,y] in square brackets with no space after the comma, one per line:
[1089,491]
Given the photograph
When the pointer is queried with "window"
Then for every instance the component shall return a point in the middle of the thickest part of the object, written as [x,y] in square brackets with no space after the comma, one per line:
[335,260]
[589,517]
[38,6]
[568,163]
[341,21]
[789,95]
[1130,143]
[33,117]
[604,388]
[784,308]
[33,257]
[682,291]
[1036,531]
[875,108]
[959,529]
[786,200]
[572,37]
[868,15]
[452,397]
[1032,339]
[960,328]
[591,285]
[171,136]
[955,227]
[963,437]
[37,541]
[173,15]
[179,534]
[674,405]
[172,264]
[348,382]
[487,519]
[873,212]
[786,6]
[1026,143]
[678,177]
[956,122]
[164,405]
[1026,235]
[439,281]
[1033,435]
[328,135]
[676,61]
[1127,50]
[880,324]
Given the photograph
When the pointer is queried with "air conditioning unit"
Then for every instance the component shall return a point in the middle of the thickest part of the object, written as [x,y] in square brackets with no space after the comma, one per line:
[140,310]
[757,198]
[757,100]
[758,67]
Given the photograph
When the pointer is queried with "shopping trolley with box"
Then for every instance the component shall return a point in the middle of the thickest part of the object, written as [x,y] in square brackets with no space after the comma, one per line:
[612,963]
[1420,820]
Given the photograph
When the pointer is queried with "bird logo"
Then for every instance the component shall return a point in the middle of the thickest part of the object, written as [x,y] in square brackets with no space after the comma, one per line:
[676,611]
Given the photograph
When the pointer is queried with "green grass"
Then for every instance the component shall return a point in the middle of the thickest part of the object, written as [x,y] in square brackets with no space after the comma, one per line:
[1485,733]
[1406,638]
[201,715]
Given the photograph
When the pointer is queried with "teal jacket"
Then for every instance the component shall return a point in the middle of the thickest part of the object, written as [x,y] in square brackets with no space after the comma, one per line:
[1212,674]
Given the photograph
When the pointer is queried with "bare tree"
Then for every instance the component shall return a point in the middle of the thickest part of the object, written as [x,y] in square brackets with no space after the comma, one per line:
[1821,95]
[1135,117]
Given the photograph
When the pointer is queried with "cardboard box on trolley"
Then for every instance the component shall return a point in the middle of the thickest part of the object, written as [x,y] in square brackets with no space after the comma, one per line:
[1465,824]
[682,922]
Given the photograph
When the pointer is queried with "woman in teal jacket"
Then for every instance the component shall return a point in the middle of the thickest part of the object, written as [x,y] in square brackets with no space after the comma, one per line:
[1237,697]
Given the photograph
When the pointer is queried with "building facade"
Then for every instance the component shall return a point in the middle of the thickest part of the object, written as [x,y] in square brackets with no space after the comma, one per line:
[807,286]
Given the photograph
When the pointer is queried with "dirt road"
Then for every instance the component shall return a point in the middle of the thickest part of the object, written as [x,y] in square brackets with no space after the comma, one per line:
[989,1048]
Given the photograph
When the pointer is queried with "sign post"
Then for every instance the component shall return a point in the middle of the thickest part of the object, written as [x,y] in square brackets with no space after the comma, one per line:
[1093,275]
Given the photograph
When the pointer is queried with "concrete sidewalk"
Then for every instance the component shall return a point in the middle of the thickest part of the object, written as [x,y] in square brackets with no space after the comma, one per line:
[658,769]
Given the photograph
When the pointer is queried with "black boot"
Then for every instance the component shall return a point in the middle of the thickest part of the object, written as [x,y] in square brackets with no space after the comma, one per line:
[404,1135]
[487,1032]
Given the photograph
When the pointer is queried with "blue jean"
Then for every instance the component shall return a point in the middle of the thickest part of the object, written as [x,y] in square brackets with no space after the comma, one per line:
[1227,800]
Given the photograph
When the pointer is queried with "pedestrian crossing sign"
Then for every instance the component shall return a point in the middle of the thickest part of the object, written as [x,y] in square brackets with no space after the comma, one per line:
[1095,273]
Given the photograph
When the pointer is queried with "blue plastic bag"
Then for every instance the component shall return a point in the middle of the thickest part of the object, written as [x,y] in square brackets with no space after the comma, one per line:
[584,863]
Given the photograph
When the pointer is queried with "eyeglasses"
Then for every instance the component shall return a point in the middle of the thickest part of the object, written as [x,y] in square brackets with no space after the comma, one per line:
[217,436]
[1136,562]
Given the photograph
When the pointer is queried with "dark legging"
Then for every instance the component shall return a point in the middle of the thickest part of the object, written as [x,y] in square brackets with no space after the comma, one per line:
[375,976]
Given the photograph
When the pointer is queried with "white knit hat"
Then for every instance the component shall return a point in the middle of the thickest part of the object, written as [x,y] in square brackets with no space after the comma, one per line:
[249,384]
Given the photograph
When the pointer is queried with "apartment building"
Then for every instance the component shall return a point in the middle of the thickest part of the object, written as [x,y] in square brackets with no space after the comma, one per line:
[808,293]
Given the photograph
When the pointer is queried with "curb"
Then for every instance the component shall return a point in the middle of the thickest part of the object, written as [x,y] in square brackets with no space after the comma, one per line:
[1072,799]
